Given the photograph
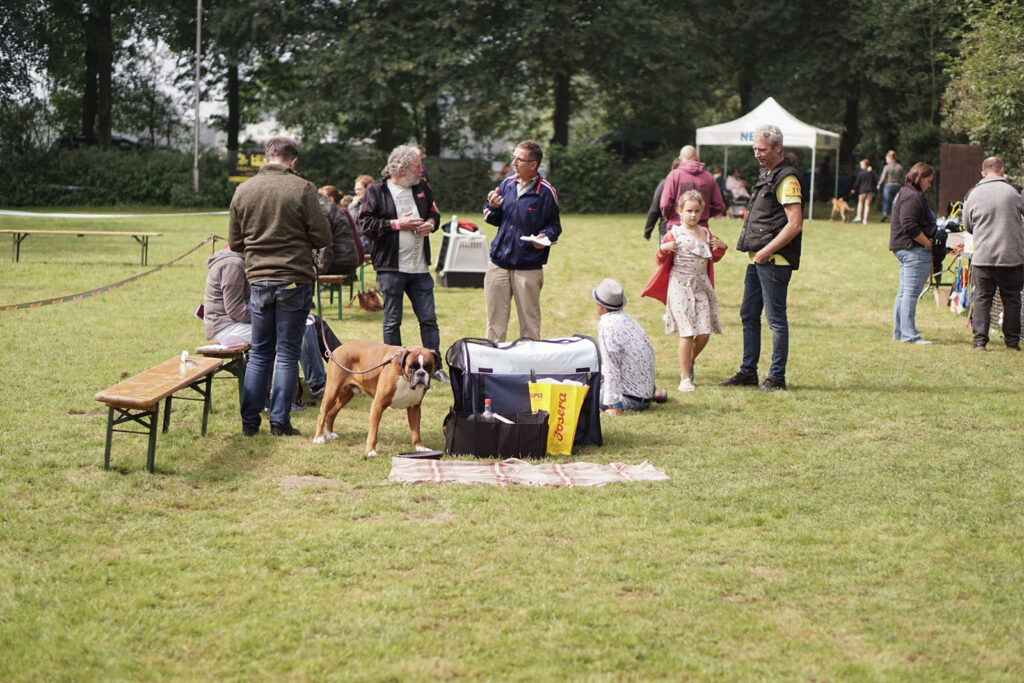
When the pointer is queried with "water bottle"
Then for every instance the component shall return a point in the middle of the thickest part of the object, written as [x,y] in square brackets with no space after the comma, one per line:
[454,225]
[488,414]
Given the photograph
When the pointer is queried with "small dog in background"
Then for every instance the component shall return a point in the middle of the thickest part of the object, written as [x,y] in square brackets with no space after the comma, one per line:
[839,206]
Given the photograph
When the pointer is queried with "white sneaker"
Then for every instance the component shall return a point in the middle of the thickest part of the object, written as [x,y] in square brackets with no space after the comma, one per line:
[921,341]
[687,385]
[865,221]
[856,219]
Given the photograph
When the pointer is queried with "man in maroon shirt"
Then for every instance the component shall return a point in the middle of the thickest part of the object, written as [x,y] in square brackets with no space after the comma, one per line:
[690,175]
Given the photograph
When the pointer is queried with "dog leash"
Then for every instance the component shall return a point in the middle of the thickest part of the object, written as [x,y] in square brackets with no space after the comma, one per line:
[328,353]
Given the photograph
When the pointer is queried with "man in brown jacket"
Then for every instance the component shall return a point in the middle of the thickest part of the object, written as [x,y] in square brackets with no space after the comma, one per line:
[276,222]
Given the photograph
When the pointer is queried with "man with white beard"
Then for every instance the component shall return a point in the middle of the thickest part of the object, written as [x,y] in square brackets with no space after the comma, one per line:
[398,215]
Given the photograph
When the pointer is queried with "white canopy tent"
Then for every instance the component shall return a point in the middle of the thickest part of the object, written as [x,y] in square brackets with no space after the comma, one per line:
[795,133]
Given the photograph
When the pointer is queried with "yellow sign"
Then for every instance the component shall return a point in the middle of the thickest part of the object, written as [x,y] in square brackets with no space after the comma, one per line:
[246,164]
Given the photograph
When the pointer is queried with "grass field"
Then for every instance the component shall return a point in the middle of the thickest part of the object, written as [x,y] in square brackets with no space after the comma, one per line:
[866,524]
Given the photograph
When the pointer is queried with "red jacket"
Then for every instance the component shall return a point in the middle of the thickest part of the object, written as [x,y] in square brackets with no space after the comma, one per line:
[657,286]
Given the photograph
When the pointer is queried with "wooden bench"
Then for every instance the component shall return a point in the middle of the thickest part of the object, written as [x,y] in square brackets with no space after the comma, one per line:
[234,363]
[137,399]
[19,236]
[333,284]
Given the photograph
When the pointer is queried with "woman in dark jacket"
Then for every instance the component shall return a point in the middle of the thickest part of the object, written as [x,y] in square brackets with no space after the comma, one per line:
[910,233]
[346,251]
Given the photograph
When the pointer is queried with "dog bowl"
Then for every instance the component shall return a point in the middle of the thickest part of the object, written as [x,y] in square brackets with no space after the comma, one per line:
[421,455]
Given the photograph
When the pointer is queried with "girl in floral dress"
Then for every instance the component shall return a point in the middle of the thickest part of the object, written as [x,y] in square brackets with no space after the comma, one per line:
[691,309]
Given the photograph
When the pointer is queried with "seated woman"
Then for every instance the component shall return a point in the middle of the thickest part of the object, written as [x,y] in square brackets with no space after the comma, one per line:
[346,251]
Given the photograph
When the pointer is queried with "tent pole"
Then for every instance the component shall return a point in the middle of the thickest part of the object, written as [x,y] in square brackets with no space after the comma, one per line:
[725,163]
[814,167]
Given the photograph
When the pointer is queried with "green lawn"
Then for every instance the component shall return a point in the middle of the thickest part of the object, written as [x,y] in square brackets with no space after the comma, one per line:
[866,524]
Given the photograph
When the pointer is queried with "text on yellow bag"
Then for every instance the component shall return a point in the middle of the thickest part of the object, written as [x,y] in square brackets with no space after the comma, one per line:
[563,402]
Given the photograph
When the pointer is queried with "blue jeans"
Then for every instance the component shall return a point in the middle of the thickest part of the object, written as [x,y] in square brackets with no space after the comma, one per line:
[764,289]
[420,288]
[279,311]
[915,267]
[311,361]
[888,192]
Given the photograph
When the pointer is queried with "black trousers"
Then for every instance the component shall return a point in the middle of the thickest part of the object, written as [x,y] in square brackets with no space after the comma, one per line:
[1010,281]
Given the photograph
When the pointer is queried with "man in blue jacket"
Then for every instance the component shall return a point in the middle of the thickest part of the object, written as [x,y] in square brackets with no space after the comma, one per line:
[522,206]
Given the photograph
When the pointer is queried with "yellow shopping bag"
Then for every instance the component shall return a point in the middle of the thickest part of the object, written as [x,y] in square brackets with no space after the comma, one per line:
[563,403]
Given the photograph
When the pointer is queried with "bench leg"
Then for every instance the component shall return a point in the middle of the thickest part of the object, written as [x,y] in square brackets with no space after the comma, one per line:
[167,413]
[146,418]
[110,432]
[207,401]
[151,452]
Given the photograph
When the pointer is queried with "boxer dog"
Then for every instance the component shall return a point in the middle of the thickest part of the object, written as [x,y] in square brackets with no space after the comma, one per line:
[400,379]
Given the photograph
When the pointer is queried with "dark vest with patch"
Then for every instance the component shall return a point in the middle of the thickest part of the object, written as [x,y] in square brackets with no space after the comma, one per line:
[766,217]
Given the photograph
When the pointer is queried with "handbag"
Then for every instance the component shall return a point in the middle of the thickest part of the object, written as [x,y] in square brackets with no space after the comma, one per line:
[370,300]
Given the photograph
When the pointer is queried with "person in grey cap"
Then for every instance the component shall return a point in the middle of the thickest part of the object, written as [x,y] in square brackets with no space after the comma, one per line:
[627,358]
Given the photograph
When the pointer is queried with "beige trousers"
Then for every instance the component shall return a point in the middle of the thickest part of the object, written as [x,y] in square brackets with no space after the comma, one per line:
[500,287]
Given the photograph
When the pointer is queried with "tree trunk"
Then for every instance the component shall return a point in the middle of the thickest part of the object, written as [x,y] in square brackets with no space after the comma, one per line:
[89,93]
[851,120]
[386,133]
[234,116]
[432,130]
[745,85]
[99,65]
[561,116]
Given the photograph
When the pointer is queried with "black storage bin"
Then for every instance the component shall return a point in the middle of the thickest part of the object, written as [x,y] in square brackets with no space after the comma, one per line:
[467,434]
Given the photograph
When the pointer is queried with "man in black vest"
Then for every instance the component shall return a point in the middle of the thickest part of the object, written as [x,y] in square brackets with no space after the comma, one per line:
[771,238]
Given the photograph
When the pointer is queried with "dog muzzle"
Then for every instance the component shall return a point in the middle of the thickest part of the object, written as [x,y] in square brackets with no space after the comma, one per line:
[419,378]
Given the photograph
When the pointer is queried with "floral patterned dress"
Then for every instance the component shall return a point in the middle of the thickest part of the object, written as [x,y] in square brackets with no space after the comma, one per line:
[691,307]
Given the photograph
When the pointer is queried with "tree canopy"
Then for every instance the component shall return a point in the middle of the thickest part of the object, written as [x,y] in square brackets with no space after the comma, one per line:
[884,73]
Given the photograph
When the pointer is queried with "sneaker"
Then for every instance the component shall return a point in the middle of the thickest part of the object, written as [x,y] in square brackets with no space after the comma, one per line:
[740,380]
[773,384]
[317,393]
[1015,347]
[296,408]
[687,385]
[978,347]
[250,430]
[856,219]
[442,377]
[865,222]
[286,430]
[922,342]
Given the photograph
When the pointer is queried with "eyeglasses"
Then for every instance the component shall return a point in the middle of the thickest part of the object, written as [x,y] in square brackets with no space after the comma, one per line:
[517,160]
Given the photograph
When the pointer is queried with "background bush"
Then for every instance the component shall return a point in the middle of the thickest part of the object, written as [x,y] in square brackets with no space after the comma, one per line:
[93,177]
[588,178]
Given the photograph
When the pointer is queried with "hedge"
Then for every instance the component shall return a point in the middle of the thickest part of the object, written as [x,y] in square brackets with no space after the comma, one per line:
[588,178]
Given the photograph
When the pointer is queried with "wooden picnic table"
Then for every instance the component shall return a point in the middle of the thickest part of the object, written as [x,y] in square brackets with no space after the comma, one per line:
[19,236]
[137,399]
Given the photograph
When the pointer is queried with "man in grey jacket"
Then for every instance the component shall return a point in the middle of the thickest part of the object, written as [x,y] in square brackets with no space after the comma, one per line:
[890,182]
[993,213]
[276,222]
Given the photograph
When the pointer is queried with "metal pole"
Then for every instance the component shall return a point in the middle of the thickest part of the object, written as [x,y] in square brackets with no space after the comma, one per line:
[195,160]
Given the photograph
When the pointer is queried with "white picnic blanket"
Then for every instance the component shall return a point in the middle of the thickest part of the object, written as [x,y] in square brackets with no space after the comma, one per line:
[516,471]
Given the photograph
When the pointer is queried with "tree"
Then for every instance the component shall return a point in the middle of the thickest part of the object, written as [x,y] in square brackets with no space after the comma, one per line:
[985,98]
[20,52]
